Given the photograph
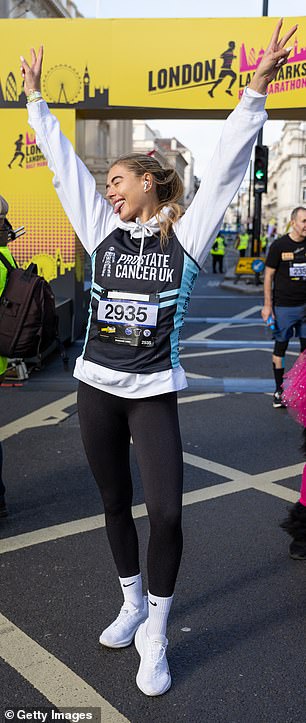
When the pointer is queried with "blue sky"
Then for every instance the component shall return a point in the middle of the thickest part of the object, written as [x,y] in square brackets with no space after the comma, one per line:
[198,135]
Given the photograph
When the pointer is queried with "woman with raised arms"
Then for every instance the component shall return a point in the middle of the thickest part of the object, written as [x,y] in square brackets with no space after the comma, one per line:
[146,256]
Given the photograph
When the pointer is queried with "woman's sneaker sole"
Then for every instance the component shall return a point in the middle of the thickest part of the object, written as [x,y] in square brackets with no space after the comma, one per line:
[124,641]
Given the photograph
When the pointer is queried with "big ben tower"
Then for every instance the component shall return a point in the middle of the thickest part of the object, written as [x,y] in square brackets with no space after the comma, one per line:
[86,81]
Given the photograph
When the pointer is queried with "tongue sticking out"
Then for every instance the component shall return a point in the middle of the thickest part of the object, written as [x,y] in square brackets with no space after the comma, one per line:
[118,206]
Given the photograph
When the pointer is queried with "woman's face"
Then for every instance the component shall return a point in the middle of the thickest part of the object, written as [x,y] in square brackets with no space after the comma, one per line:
[126,192]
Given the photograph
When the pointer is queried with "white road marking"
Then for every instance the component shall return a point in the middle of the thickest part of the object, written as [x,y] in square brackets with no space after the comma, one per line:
[218,352]
[238,481]
[275,475]
[54,413]
[55,532]
[219,327]
[211,493]
[215,468]
[278,491]
[44,416]
[60,685]
[199,398]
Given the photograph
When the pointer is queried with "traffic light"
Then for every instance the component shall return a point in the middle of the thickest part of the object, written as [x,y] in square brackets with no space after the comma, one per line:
[261,169]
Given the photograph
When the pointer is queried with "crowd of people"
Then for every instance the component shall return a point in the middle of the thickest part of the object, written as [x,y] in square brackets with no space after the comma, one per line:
[129,377]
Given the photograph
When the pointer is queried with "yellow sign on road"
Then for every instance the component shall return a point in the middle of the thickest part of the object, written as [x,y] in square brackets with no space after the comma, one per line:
[250,265]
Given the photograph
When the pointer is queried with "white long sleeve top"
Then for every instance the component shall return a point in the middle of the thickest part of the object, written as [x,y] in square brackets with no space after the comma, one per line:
[94,221]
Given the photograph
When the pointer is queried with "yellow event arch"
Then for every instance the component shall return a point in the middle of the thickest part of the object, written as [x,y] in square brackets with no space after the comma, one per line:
[195,68]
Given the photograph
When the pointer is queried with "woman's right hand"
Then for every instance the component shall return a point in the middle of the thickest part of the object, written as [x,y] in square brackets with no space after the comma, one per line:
[32,73]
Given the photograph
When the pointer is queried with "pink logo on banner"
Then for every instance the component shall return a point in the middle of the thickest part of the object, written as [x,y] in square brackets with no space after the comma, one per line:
[251,60]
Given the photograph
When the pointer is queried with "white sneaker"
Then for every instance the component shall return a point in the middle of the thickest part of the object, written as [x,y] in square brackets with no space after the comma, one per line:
[121,632]
[153,677]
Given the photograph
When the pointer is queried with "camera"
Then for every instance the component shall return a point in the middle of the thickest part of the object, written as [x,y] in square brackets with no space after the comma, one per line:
[7,233]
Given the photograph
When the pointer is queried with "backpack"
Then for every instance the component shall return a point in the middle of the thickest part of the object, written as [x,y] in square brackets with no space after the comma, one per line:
[28,321]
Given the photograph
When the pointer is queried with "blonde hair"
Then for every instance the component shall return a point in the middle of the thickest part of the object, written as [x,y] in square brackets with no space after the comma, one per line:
[169,189]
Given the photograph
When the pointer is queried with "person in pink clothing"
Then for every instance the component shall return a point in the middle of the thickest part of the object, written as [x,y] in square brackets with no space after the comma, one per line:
[294,396]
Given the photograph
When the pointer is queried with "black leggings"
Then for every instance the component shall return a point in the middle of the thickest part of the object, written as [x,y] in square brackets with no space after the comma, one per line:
[107,422]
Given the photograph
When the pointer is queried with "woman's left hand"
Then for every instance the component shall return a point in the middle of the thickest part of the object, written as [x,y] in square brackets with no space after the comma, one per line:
[272,60]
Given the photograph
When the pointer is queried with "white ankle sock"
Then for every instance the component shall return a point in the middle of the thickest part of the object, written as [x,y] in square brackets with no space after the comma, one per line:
[132,590]
[159,608]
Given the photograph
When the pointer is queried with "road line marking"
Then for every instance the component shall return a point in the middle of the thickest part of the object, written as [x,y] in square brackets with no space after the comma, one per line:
[44,416]
[54,413]
[210,493]
[216,468]
[275,475]
[199,398]
[88,524]
[193,375]
[60,685]
[48,534]
[278,491]
[199,336]
[218,352]
[238,480]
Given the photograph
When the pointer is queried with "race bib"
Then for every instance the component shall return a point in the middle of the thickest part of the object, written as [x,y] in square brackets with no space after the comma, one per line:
[125,318]
[298,271]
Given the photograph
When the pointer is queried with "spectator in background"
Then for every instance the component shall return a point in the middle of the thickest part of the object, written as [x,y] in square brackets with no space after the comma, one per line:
[263,243]
[242,243]
[285,293]
[217,252]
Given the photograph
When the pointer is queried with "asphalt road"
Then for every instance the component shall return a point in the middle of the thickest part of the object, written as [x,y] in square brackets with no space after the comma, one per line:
[238,626]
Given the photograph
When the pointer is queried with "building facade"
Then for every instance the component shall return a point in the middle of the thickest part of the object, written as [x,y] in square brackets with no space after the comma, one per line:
[29,9]
[287,176]
[168,151]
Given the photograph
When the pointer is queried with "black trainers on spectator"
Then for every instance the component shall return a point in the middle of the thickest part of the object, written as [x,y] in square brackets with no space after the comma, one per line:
[277,401]
[297,550]
[3,507]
